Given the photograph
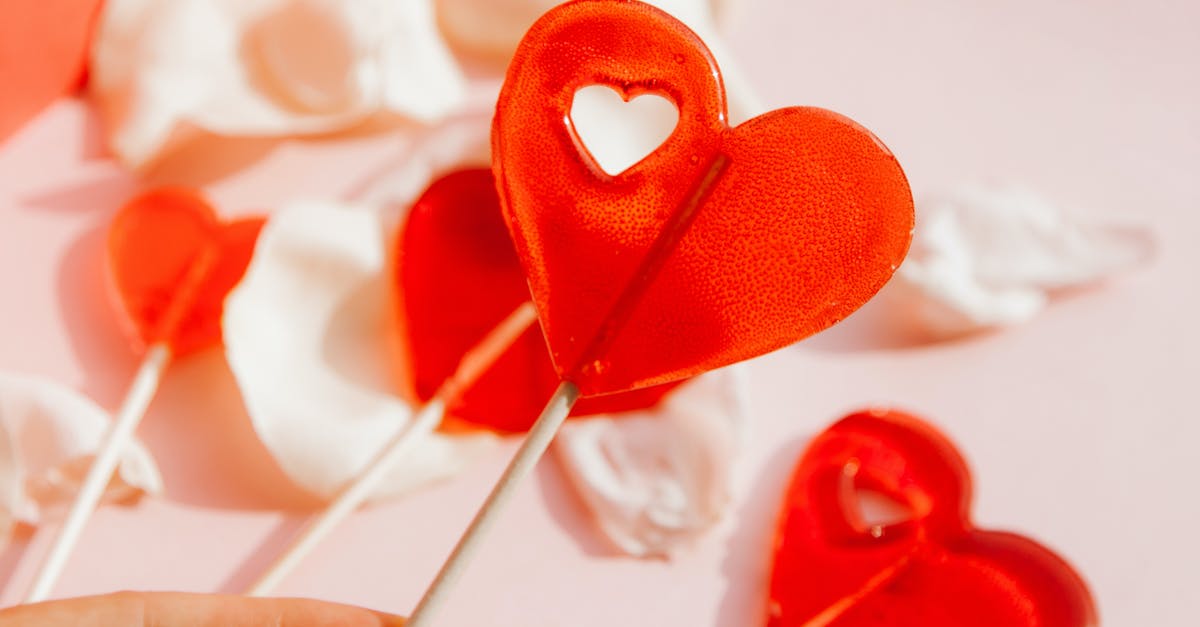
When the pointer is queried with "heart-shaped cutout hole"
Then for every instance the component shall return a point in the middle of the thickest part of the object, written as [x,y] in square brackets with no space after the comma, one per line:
[876,510]
[617,133]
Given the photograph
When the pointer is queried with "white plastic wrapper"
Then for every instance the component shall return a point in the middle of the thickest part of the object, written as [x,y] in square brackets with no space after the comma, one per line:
[657,480]
[48,437]
[161,70]
[491,29]
[306,334]
[988,257]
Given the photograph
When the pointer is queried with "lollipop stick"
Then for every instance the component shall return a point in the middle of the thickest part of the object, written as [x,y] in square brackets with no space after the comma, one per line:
[473,364]
[141,391]
[564,398]
[522,463]
[133,408]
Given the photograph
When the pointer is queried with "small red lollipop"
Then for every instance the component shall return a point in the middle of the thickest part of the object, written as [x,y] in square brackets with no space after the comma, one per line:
[934,568]
[458,277]
[723,244]
[171,263]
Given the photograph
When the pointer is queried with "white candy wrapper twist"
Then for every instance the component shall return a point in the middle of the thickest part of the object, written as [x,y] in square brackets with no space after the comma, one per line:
[985,257]
[48,435]
[657,480]
[163,71]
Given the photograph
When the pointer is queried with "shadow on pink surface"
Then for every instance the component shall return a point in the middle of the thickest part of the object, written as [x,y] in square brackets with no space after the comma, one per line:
[12,555]
[255,564]
[874,327]
[886,324]
[755,510]
[749,548]
[209,159]
[568,510]
[206,447]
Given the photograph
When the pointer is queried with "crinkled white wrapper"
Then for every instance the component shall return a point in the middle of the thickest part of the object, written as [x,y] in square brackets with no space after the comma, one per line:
[993,256]
[657,480]
[305,334]
[493,28]
[162,69]
[48,437]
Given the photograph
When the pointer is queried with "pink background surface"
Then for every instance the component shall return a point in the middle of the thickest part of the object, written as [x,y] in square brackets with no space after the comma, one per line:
[1081,426]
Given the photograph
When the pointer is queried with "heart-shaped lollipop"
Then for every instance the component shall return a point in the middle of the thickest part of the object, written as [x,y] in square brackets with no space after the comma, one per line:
[459,277]
[171,263]
[723,244]
[932,569]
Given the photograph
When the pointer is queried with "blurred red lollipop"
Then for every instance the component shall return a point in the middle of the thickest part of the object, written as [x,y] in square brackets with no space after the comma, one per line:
[933,568]
[171,262]
[459,276]
[723,244]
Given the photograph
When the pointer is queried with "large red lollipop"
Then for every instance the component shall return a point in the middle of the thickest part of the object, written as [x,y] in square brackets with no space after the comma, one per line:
[934,568]
[459,277]
[723,244]
[171,262]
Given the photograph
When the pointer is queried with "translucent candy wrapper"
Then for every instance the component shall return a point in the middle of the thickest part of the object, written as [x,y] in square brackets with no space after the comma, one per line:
[164,69]
[657,480]
[993,256]
[306,335]
[48,435]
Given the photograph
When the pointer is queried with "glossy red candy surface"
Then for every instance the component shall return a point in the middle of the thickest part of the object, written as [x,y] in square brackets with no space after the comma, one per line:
[723,244]
[933,568]
[171,264]
[459,277]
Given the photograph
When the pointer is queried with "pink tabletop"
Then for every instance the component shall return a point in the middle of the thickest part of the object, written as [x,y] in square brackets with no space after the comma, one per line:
[1081,425]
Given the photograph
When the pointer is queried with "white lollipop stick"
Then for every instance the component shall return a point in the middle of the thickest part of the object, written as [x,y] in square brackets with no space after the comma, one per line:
[522,463]
[129,416]
[137,399]
[564,398]
[473,364]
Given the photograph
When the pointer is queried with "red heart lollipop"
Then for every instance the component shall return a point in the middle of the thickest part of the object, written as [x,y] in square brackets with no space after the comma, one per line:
[459,277]
[723,244]
[933,569]
[172,262]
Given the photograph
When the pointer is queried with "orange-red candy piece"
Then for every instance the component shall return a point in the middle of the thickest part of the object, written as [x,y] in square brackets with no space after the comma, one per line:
[459,277]
[723,244]
[933,569]
[43,53]
[172,262]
